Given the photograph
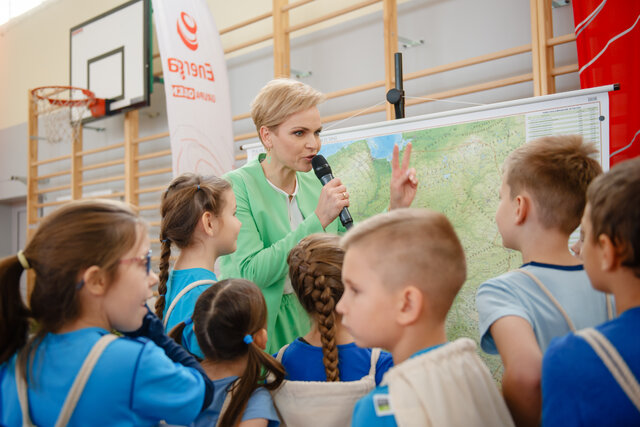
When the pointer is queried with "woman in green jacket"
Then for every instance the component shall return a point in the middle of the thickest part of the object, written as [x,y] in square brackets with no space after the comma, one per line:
[280,201]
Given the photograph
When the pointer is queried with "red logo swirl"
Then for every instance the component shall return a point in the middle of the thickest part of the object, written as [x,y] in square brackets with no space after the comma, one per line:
[187,28]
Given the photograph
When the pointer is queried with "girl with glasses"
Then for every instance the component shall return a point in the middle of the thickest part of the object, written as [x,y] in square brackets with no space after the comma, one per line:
[59,363]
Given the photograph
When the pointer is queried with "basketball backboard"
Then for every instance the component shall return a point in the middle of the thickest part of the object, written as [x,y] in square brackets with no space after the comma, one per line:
[111,56]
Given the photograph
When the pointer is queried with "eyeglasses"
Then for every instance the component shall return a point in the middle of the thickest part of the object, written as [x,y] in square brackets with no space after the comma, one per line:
[146,259]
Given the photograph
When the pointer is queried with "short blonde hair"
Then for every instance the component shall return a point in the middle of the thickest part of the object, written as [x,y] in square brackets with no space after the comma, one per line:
[417,246]
[281,98]
[556,171]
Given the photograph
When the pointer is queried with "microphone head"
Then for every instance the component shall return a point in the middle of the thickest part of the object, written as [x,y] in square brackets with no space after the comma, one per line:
[320,166]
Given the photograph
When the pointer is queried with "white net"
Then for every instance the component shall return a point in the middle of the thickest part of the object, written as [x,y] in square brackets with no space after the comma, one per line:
[60,111]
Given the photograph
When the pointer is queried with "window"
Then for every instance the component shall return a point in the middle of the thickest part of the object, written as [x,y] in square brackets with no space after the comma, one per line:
[11,8]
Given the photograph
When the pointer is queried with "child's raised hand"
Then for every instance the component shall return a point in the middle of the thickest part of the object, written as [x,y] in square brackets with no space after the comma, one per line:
[404,184]
[151,328]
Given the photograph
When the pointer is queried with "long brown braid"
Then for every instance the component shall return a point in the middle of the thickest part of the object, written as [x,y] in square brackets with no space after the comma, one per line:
[315,269]
[183,203]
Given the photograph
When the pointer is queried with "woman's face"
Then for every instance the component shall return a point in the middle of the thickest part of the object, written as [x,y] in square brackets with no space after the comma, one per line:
[296,140]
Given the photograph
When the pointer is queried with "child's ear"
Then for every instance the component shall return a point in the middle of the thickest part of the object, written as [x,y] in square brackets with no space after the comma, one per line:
[260,338]
[610,259]
[411,302]
[523,207]
[209,223]
[94,281]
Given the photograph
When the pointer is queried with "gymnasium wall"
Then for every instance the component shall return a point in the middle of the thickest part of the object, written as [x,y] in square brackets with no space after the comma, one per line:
[340,54]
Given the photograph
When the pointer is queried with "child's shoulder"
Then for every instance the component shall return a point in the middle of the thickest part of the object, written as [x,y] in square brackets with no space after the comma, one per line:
[374,409]
[523,276]
[260,404]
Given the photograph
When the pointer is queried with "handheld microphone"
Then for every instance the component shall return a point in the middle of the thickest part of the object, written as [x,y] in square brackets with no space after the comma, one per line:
[323,172]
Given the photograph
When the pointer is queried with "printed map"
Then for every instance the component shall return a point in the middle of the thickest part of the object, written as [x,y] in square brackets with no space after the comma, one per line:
[459,172]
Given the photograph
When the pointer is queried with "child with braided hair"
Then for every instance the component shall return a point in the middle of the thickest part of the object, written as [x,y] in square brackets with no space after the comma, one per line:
[325,365]
[198,217]
[230,320]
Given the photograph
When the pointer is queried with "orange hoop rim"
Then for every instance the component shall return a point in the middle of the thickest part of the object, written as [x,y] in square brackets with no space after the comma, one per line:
[88,101]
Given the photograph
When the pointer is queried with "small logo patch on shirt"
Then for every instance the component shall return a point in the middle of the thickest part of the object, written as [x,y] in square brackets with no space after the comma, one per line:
[382,405]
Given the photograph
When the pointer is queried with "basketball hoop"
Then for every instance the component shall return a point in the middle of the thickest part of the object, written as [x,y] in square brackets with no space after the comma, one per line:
[60,110]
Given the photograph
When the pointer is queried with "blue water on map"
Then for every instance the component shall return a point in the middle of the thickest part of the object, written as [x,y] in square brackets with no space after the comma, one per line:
[381,147]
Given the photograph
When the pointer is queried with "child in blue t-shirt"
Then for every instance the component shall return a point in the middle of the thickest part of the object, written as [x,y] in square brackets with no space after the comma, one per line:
[402,271]
[91,262]
[328,352]
[230,320]
[198,216]
[542,197]
[591,377]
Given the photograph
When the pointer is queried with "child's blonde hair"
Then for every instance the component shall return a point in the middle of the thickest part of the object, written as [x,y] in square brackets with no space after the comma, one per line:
[315,269]
[281,98]
[413,246]
[183,203]
[556,171]
[614,200]
[75,237]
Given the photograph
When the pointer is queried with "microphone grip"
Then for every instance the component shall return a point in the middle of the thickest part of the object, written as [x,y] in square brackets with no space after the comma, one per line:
[326,178]
[345,216]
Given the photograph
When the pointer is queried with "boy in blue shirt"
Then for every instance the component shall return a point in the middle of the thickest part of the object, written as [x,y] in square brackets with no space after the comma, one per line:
[578,389]
[401,273]
[542,198]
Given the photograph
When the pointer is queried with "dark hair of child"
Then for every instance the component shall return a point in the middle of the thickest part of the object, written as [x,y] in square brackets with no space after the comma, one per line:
[183,203]
[223,315]
[63,245]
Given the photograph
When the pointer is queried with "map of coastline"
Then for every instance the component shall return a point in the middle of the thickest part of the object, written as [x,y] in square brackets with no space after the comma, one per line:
[459,171]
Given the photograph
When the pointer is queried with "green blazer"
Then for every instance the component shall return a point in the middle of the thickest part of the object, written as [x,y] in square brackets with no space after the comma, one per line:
[265,237]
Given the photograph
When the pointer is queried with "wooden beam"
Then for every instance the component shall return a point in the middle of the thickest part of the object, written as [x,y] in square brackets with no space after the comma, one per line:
[161,153]
[32,184]
[281,46]
[331,15]
[37,162]
[546,33]
[151,189]
[101,165]
[100,149]
[102,180]
[76,163]
[390,22]
[245,23]
[131,120]
[158,171]
[535,48]
[151,137]
[53,175]
[295,4]
[567,38]
[247,43]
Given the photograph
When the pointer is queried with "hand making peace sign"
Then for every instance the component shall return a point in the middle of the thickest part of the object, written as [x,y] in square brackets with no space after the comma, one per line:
[404,183]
